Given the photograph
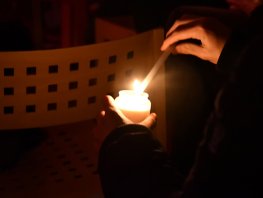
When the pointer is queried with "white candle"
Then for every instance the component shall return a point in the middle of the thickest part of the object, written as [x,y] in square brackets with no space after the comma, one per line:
[134,104]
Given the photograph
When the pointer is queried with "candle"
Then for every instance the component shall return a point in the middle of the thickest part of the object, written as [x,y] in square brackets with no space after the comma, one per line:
[134,104]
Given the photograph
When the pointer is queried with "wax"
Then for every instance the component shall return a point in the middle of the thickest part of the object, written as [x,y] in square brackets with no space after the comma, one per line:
[134,105]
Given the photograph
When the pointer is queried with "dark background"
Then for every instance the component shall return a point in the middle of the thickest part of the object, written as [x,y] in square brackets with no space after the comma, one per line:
[38,24]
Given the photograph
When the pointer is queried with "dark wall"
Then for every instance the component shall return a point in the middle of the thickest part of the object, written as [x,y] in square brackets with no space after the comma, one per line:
[17,23]
[148,15]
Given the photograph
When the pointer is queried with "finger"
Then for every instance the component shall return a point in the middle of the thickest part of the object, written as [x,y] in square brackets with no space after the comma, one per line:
[149,121]
[113,110]
[175,25]
[108,102]
[99,117]
[102,113]
[184,33]
[190,48]
[181,21]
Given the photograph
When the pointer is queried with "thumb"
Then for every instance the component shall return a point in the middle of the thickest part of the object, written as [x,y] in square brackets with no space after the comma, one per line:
[108,102]
[150,121]
[189,48]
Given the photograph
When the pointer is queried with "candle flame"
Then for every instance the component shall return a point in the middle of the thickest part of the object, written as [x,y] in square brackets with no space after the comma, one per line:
[137,87]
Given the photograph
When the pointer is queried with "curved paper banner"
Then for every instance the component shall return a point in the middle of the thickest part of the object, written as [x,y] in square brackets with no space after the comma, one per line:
[54,87]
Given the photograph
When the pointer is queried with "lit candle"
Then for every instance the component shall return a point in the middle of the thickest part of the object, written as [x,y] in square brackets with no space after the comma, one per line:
[134,104]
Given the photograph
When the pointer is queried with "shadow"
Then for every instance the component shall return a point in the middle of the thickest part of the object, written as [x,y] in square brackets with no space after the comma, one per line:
[191,86]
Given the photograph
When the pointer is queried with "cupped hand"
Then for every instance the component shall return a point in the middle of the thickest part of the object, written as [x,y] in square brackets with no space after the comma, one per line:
[211,33]
[111,117]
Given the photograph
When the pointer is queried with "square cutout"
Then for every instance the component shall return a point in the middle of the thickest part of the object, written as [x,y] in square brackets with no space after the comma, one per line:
[53,69]
[130,55]
[73,85]
[52,88]
[74,67]
[93,63]
[9,71]
[92,100]
[31,108]
[72,103]
[8,110]
[9,91]
[31,90]
[52,106]
[111,77]
[31,71]
[112,59]
[92,81]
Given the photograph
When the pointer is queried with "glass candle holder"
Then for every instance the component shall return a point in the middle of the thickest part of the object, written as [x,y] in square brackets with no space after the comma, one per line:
[134,105]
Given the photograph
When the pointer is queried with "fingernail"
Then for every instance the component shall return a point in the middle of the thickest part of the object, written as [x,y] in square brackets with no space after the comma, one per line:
[154,115]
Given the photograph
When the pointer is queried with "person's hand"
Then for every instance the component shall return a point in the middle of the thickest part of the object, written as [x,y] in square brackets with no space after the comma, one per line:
[111,117]
[210,33]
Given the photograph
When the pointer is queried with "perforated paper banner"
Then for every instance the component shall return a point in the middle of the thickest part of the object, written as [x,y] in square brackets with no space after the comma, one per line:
[54,87]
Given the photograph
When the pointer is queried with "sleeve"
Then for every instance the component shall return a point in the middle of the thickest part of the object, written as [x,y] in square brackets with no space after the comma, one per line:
[132,163]
[228,163]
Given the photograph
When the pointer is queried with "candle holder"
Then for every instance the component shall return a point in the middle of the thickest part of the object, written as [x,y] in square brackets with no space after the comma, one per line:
[134,105]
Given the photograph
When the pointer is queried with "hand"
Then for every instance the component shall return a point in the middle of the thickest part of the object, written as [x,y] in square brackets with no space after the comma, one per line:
[210,32]
[111,117]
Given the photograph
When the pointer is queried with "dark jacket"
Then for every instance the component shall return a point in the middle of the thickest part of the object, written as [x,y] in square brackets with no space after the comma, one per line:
[132,163]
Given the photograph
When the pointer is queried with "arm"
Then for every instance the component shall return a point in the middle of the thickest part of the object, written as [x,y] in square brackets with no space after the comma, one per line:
[228,162]
[132,162]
